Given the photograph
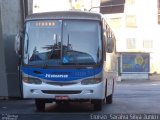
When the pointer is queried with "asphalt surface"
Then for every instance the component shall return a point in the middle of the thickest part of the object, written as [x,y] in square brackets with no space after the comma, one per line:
[130,97]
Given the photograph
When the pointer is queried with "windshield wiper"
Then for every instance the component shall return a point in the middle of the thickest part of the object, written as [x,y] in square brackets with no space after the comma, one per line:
[55,52]
[54,47]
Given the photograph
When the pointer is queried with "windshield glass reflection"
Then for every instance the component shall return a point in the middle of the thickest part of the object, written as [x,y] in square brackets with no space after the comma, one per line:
[71,43]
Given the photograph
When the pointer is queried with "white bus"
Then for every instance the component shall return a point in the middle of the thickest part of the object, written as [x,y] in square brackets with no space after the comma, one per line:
[64,58]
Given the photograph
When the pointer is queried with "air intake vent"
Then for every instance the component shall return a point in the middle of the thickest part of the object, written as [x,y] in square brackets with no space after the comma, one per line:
[61,91]
[61,83]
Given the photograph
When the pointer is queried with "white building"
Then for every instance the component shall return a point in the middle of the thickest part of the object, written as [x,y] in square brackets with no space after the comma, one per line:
[137,29]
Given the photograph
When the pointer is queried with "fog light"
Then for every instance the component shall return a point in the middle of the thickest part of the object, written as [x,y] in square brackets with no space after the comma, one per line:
[88,91]
[32,91]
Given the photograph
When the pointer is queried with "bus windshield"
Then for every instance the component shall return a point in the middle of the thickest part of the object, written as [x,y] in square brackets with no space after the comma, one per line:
[62,42]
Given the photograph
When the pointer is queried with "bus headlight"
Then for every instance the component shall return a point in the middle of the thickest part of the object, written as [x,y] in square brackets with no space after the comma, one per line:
[32,80]
[91,81]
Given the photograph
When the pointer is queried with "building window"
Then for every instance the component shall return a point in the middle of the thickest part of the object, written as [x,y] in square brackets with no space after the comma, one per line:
[131,43]
[147,44]
[131,21]
[116,22]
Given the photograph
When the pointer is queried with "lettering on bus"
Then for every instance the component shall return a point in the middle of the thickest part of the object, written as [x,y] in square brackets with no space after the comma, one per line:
[56,76]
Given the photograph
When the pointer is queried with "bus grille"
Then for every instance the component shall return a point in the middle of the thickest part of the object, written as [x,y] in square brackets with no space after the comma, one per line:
[61,91]
[61,83]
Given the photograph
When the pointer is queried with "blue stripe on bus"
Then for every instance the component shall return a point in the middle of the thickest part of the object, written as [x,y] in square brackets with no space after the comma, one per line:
[61,75]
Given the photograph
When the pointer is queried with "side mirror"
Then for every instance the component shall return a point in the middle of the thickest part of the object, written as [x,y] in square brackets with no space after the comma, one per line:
[17,44]
[110,44]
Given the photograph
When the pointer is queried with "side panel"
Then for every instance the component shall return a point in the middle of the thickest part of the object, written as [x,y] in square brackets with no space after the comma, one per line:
[110,71]
[110,61]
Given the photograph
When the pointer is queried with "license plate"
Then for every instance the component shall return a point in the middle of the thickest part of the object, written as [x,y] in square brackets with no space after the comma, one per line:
[61,97]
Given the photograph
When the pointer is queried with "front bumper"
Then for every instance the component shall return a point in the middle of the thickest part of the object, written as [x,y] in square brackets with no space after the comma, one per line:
[74,92]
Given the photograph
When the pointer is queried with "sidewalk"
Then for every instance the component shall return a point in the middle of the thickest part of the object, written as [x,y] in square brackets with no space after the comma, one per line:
[154,77]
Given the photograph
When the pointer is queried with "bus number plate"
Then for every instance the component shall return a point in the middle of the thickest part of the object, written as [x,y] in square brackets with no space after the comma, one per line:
[61,97]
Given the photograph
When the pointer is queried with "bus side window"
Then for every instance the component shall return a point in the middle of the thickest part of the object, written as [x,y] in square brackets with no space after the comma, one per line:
[110,41]
[104,39]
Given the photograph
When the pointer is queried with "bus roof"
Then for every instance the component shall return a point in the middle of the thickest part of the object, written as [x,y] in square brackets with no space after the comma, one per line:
[65,15]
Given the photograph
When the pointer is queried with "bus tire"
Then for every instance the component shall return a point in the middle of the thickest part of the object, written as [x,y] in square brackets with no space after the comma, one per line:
[109,99]
[97,105]
[40,104]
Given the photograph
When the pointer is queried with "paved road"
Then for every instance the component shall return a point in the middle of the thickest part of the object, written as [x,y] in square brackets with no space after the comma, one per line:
[131,97]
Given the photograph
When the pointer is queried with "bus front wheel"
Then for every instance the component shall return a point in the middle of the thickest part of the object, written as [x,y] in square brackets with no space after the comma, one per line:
[109,99]
[40,104]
